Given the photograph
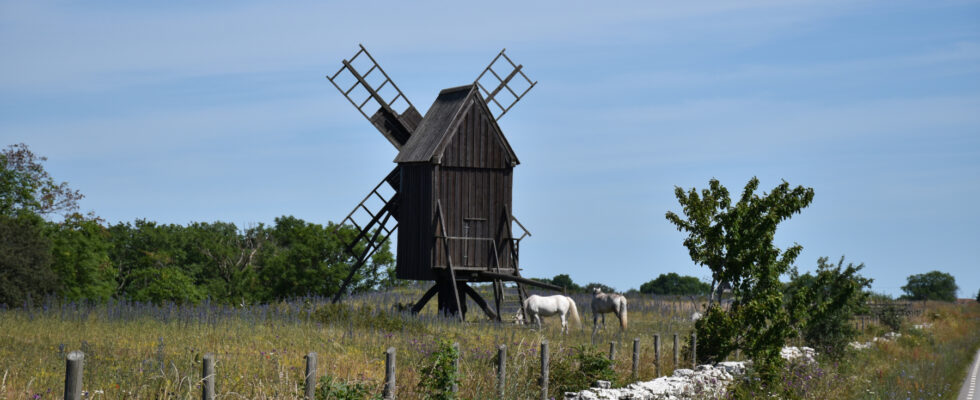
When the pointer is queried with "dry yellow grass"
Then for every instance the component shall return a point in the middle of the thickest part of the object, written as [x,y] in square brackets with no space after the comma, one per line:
[155,352]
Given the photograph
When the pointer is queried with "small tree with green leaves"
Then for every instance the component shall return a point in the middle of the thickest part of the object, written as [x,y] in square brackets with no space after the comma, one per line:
[674,284]
[566,282]
[735,241]
[934,285]
[26,187]
[831,297]
[439,374]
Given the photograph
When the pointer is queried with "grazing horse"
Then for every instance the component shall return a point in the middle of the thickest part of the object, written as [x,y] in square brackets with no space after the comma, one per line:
[603,303]
[539,306]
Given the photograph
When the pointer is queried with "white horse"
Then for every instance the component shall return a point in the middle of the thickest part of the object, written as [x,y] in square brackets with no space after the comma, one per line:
[538,306]
[603,303]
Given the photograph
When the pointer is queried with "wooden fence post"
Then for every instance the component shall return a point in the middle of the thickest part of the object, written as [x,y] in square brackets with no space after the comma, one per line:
[656,355]
[544,370]
[389,389]
[73,375]
[310,391]
[612,352]
[455,387]
[636,357]
[675,352]
[501,369]
[694,350]
[207,387]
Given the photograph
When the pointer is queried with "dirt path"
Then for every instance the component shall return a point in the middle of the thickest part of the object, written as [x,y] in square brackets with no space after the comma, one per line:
[970,390]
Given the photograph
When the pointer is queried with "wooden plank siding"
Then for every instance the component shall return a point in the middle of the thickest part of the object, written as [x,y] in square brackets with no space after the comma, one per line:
[477,196]
[470,173]
[415,235]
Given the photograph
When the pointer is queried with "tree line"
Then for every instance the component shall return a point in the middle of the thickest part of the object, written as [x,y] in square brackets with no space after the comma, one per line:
[49,248]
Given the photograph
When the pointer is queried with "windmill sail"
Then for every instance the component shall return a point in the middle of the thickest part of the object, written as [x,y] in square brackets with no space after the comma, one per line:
[510,97]
[396,126]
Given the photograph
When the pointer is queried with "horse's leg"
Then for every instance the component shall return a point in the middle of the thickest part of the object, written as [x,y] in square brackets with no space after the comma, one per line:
[595,322]
[537,318]
[564,323]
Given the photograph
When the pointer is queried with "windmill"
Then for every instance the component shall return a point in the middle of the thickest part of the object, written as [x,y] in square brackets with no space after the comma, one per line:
[449,196]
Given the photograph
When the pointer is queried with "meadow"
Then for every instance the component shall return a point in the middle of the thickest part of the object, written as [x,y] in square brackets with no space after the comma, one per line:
[145,351]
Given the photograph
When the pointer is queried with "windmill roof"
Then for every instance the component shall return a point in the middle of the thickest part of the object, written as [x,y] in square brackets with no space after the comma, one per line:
[429,138]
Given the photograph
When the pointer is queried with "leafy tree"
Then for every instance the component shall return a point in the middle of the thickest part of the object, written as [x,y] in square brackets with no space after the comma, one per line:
[934,285]
[151,260]
[978,296]
[564,281]
[80,252]
[25,259]
[735,242]
[604,288]
[26,186]
[168,283]
[673,284]
[831,298]
[223,259]
[309,258]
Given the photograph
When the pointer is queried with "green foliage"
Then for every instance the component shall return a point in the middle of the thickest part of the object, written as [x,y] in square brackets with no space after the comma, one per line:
[566,282]
[827,302]
[82,259]
[80,252]
[158,285]
[718,333]
[735,241]
[674,284]
[587,365]
[439,373]
[308,258]
[330,388]
[162,262]
[26,187]
[25,260]
[934,285]
[892,316]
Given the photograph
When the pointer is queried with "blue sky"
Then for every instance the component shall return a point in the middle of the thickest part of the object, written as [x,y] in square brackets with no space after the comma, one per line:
[188,111]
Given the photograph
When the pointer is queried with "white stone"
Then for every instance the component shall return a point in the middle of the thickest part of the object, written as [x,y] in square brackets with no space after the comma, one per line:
[705,380]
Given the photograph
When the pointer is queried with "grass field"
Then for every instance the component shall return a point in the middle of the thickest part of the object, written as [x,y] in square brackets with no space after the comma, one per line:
[144,351]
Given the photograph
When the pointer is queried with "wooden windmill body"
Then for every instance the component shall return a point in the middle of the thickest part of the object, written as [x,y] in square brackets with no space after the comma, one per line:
[452,189]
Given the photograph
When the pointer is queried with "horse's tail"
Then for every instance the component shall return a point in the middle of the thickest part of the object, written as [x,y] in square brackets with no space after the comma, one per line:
[622,313]
[574,311]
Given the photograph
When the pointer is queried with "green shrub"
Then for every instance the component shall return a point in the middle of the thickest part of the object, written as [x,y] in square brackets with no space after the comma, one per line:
[586,365]
[331,388]
[827,302]
[439,373]
[892,316]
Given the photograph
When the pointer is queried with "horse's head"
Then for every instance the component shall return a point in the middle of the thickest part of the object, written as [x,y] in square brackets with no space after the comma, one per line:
[596,291]
[519,317]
